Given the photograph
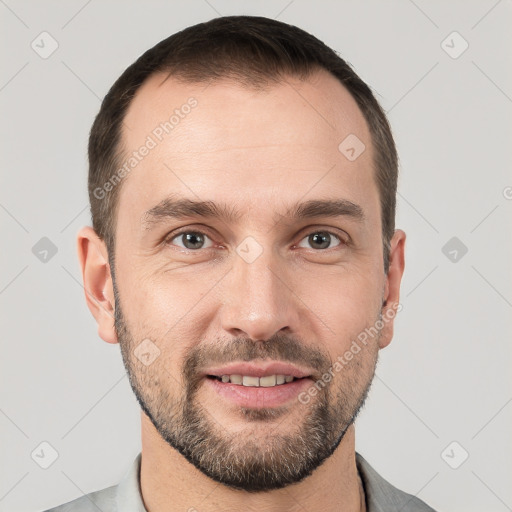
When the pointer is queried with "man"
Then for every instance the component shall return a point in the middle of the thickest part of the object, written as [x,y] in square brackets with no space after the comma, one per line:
[243,254]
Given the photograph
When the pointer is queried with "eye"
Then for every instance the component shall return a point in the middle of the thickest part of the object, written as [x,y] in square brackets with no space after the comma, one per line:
[191,240]
[321,240]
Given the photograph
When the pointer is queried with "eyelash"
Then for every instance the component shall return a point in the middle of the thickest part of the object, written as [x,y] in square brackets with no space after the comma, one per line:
[170,238]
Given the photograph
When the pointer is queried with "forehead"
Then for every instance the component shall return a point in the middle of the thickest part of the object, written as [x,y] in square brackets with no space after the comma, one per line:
[321,101]
[245,146]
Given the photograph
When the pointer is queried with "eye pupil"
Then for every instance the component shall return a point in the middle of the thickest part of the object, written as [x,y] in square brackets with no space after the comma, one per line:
[192,240]
[324,239]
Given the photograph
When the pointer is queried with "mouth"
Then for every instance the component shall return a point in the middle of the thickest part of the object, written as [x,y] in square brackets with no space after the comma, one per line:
[267,381]
[258,386]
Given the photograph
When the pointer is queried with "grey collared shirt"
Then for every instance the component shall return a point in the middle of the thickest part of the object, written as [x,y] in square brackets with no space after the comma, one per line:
[381,496]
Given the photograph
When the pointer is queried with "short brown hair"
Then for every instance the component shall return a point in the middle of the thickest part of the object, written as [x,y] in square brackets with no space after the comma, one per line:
[254,51]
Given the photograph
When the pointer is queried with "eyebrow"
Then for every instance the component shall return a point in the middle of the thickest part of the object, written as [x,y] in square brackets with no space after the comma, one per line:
[181,208]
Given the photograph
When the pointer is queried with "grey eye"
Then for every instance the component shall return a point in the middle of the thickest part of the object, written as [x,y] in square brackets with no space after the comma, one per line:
[321,240]
[192,240]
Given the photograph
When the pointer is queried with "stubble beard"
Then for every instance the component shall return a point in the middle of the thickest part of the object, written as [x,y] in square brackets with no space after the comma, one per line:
[289,446]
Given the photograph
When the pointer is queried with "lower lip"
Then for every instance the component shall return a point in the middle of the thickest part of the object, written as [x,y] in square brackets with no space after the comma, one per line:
[257,396]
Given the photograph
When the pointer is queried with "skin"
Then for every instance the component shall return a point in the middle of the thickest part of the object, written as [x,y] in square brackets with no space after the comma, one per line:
[258,151]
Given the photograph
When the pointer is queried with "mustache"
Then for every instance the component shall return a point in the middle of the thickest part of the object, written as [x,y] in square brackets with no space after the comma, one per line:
[280,347]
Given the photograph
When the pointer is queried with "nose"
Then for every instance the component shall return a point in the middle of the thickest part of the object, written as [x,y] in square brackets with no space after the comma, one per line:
[259,299]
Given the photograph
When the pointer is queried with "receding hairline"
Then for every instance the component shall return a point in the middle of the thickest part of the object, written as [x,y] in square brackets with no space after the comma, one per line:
[163,77]
[314,77]
[256,51]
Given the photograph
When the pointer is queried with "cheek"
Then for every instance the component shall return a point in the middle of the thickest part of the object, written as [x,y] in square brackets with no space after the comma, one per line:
[345,298]
[151,295]
[168,309]
[345,305]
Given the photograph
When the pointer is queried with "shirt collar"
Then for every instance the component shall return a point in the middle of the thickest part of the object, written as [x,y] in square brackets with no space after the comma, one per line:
[129,495]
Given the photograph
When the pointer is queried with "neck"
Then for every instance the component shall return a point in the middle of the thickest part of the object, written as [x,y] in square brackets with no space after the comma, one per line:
[170,483]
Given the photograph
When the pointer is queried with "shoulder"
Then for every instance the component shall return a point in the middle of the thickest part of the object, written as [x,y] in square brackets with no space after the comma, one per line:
[381,496]
[104,500]
[123,497]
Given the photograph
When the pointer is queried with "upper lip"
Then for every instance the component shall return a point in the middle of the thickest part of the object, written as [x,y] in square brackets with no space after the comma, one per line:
[259,370]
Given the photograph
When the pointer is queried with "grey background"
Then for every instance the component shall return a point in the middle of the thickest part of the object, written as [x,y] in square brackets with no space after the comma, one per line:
[446,375]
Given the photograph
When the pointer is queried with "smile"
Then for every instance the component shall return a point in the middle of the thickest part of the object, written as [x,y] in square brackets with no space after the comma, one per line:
[252,381]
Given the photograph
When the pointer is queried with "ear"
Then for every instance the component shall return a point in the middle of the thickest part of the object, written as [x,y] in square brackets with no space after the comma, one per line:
[98,286]
[392,289]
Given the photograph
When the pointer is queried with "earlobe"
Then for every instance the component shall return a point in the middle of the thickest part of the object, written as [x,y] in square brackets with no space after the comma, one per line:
[391,302]
[97,281]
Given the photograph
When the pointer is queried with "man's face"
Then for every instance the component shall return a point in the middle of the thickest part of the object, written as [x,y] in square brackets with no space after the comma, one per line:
[260,286]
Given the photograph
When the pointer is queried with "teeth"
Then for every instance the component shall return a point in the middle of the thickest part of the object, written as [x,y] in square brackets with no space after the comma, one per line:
[251,381]
[235,379]
[248,380]
[269,380]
